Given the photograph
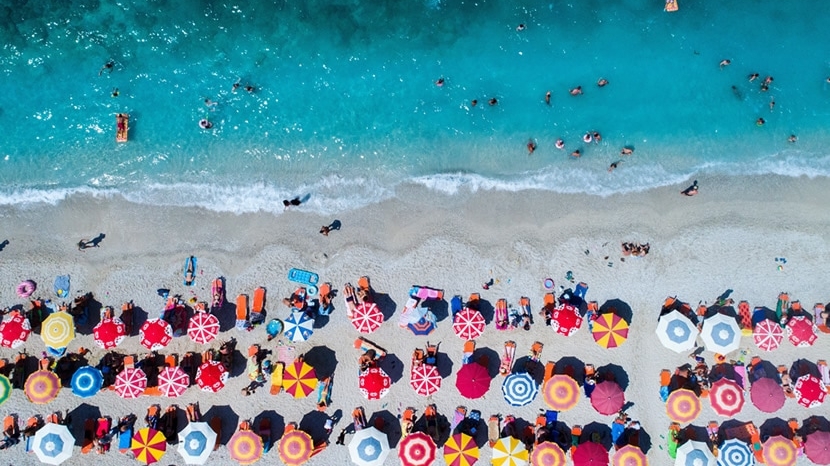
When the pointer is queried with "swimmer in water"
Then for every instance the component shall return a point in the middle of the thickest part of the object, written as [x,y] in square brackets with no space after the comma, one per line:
[771,104]
[210,103]
[725,63]
[737,93]
[109,65]
[493,101]
[560,144]
[597,137]
[531,146]
[439,82]
[626,151]
[520,27]
[753,77]
[792,138]
[587,138]
[768,80]
[235,86]
[576,91]
[115,92]
[602,82]
[614,165]
[249,88]
[474,102]
[760,122]
[547,98]
[576,154]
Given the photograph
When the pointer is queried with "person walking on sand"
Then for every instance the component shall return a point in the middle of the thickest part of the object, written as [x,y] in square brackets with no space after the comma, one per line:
[324,230]
[83,244]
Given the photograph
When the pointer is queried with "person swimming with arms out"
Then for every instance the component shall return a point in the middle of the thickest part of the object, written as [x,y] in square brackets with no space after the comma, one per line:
[753,77]
[602,82]
[725,62]
[531,146]
[576,91]
[614,165]
[576,154]
[626,151]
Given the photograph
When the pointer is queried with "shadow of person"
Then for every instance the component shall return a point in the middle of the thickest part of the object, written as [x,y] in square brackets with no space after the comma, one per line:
[335,225]
[96,242]
[6,242]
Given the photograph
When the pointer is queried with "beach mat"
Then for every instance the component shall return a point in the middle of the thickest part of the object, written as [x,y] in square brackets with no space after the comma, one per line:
[61,286]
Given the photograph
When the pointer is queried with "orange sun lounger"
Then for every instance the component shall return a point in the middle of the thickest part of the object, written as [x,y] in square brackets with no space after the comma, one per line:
[242,312]
[258,305]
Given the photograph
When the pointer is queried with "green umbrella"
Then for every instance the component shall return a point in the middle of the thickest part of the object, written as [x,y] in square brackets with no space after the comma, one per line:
[5,389]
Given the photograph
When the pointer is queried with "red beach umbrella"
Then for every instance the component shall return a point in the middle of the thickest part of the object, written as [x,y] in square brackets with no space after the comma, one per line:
[767,395]
[130,383]
[211,376]
[768,335]
[109,333]
[802,331]
[173,381]
[417,449]
[155,334]
[374,383]
[472,381]
[203,327]
[607,397]
[15,330]
[468,324]
[590,454]
[425,380]
[727,397]
[810,391]
[367,317]
[565,320]
[817,447]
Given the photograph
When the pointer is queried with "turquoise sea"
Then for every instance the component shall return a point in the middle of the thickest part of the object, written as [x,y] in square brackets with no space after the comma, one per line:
[345,106]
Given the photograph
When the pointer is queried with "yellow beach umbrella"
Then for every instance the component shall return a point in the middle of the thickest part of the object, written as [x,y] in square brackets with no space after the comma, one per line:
[148,445]
[58,330]
[610,330]
[460,450]
[299,379]
[510,451]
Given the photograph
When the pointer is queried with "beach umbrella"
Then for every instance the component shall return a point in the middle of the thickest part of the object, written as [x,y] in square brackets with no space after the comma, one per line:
[472,381]
[810,391]
[298,326]
[203,327]
[367,317]
[246,447]
[5,389]
[817,447]
[53,443]
[590,454]
[694,453]
[425,380]
[549,454]
[802,331]
[58,330]
[610,330]
[565,319]
[767,335]
[417,449]
[510,451]
[196,441]
[211,376]
[676,332]
[767,395]
[42,386]
[683,406]
[130,383]
[14,330]
[155,334]
[369,447]
[561,392]
[629,455]
[173,381]
[779,451]
[607,397]
[735,452]
[148,445]
[468,324]
[726,397]
[109,333]
[299,379]
[374,383]
[519,389]
[87,381]
[461,450]
[422,326]
[721,334]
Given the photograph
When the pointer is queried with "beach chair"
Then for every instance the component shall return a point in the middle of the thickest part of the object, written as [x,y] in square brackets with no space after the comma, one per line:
[431,355]
[431,421]
[665,380]
[507,357]
[365,345]
[325,299]
[265,433]
[407,421]
[458,416]
[153,416]
[226,354]
[581,290]
[258,306]
[350,298]
[508,428]
[456,305]
[818,308]
[242,312]
[216,425]
[782,305]
[550,368]
[89,436]
[493,429]
[418,357]
[324,393]
[469,349]
[102,434]
[358,418]
[217,292]
[125,433]
[474,302]
[536,351]
[170,421]
[364,289]
[824,371]
[471,422]
[10,426]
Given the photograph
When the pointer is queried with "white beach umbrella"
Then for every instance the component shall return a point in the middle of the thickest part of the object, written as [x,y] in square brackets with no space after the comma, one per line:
[721,334]
[676,332]
[53,443]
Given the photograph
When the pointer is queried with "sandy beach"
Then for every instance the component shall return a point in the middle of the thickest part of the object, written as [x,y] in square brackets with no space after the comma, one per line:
[727,237]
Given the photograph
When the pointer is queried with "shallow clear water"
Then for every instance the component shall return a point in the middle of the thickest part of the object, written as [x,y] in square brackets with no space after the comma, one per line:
[346,109]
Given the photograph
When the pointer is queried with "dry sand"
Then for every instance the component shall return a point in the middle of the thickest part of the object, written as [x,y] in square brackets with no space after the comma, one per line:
[725,238]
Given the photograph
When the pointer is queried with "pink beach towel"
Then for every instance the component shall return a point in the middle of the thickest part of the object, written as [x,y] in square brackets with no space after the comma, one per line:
[286,354]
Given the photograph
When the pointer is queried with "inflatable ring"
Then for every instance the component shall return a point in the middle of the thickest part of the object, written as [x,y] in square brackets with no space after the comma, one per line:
[560,144]
[312,290]
[204,123]
[587,137]
[548,282]
[26,288]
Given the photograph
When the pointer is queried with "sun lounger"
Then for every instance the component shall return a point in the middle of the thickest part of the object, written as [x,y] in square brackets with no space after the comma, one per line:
[469,349]
[665,380]
[581,290]
[125,437]
[431,358]
[102,434]
[508,428]
[507,357]
[89,436]
[153,416]
[474,302]
[350,298]
[425,292]
[242,312]
[493,429]
[258,306]
[365,345]
[189,271]
[410,313]
[536,351]
[265,433]
[324,393]
[358,418]
[501,318]
[325,300]
[364,290]
[407,421]
[458,416]
[170,421]
[782,305]
[818,308]
[216,425]
[471,422]
[456,305]
[217,292]
[431,421]
[824,370]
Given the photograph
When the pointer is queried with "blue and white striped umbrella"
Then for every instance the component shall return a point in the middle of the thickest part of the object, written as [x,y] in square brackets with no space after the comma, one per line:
[519,389]
[721,334]
[298,326]
[86,381]
[196,441]
[676,332]
[53,443]
[734,452]
[694,453]
[369,447]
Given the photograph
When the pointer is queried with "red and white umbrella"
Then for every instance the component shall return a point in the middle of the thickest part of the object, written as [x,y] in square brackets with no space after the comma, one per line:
[130,383]
[417,449]
[810,391]
[425,380]
[14,330]
[203,327]
[173,381]
[565,320]
[726,397]
[155,334]
[802,331]
[211,376]
[109,333]
[374,383]
[367,317]
[768,335]
[468,324]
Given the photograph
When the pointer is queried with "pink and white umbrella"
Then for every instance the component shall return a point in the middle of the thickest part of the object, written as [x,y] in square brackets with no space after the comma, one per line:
[468,324]
[173,381]
[810,391]
[211,376]
[425,380]
[14,330]
[130,383]
[802,331]
[565,320]
[367,317]
[155,334]
[109,333]
[203,327]
[768,335]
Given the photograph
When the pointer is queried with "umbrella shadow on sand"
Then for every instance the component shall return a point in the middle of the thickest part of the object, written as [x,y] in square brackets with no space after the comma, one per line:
[439,308]
[619,307]
[597,433]
[487,310]
[813,424]
[389,425]
[313,424]
[444,365]
[617,374]
[323,360]
[492,359]
[139,317]
[804,367]
[775,426]
[230,421]
[226,316]
[393,367]
[277,423]
[76,417]
[535,368]
[386,304]
[571,366]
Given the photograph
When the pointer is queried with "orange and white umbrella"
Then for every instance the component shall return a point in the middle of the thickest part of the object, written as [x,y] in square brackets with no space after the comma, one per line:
[296,448]
[561,392]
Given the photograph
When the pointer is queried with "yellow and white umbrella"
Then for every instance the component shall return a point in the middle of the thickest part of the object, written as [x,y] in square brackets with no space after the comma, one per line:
[58,330]
[510,451]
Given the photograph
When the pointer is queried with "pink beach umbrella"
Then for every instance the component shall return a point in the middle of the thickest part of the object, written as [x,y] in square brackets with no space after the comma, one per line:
[14,330]
[817,447]
[203,328]
[367,317]
[155,334]
[607,397]
[767,395]
[173,381]
[425,380]
[768,335]
[130,383]
[468,324]
[726,397]
[802,331]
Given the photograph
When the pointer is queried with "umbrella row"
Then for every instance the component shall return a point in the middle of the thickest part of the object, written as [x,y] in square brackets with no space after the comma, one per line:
[777,450]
